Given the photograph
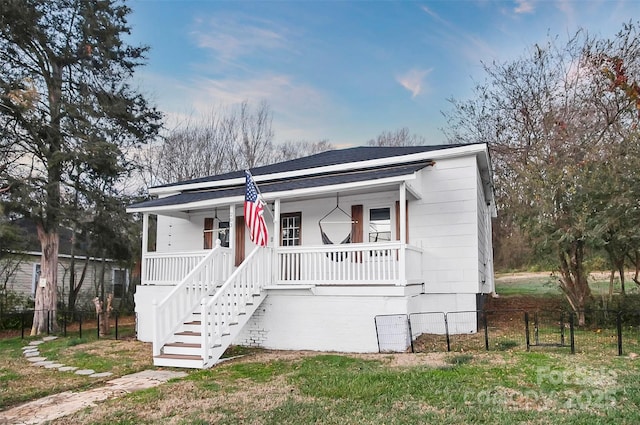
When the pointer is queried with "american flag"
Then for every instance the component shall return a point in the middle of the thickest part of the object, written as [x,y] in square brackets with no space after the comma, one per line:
[253,213]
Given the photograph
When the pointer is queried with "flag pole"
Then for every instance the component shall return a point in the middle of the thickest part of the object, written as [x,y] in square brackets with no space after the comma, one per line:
[260,193]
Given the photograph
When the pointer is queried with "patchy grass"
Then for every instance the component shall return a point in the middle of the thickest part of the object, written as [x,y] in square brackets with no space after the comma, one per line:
[21,381]
[545,284]
[536,284]
[300,388]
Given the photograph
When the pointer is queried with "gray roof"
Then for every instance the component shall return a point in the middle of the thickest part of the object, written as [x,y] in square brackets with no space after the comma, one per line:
[329,179]
[323,159]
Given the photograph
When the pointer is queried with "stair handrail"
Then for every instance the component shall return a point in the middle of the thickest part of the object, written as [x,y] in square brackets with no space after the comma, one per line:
[170,313]
[253,274]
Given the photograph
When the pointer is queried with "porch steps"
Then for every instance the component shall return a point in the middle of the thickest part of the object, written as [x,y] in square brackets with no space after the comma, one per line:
[185,348]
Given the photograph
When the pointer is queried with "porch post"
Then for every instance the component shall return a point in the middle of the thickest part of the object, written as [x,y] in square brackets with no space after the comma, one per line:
[403,234]
[232,236]
[275,270]
[145,248]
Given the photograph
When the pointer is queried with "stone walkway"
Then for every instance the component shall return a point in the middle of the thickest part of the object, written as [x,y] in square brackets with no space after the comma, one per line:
[63,404]
[32,353]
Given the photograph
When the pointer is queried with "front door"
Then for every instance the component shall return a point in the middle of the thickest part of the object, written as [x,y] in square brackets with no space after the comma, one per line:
[290,235]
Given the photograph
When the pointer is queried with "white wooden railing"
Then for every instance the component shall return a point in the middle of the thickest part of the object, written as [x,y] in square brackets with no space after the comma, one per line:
[202,280]
[378,263]
[231,299]
[168,268]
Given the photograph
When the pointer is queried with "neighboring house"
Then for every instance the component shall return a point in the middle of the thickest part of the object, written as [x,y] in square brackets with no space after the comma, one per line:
[25,279]
[354,234]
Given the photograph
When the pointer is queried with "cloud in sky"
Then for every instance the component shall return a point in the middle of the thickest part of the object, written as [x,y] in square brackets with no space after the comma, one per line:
[231,37]
[523,6]
[413,80]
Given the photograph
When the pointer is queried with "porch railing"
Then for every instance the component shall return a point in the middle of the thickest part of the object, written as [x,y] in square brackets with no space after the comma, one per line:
[169,268]
[232,298]
[377,263]
[177,306]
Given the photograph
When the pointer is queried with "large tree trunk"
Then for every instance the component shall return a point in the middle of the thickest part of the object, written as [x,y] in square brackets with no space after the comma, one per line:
[44,317]
[75,286]
[573,280]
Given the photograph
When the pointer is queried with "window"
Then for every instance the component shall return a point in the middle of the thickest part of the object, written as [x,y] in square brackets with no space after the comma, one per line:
[380,224]
[223,233]
[34,278]
[120,278]
[291,228]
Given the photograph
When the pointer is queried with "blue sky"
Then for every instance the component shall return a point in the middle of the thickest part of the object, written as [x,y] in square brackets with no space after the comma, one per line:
[344,70]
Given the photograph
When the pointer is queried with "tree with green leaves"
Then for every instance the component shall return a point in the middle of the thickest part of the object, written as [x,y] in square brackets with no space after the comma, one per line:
[69,115]
[560,137]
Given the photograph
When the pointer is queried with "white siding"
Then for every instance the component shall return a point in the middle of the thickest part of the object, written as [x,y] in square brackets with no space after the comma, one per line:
[21,282]
[314,210]
[482,234]
[178,234]
[445,224]
[485,246]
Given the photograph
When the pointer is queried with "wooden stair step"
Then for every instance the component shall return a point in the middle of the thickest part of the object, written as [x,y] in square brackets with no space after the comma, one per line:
[188,333]
[183,345]
[179,357]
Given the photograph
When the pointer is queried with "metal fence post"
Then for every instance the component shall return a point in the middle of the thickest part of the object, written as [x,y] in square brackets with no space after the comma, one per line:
[619,330]
[486,330]
[22,325]
[562,328]
[410,333]
[80,323]
[375,321]
[64,323]
[48,322]
[526,330]
[535,328]
[572,333]
[117,328]
[446,330]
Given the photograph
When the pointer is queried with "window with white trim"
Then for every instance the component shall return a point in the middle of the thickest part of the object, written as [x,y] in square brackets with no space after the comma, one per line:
[120,282]
[380,224]
[35,277]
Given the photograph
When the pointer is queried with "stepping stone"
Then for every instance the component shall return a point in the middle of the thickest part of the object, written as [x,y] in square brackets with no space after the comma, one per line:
[35,353]
[53,366]
[67,368]
[29,347]
[100,375]
[43,363]
[36,359]
[85,372]
[32,343]
[49,338]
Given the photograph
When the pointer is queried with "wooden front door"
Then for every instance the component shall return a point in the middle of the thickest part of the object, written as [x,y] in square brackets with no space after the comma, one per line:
[239,254]
[291,235]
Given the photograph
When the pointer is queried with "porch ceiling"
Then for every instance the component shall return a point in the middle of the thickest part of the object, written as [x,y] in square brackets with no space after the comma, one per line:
[358,181]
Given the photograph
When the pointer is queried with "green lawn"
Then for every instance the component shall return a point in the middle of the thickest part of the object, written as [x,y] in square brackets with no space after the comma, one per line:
[498,388]
[545,284]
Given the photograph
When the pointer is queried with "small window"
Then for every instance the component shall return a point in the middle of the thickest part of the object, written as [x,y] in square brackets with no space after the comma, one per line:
[35,277]
[119,282]
[291,229]
[380,225]
[223,233]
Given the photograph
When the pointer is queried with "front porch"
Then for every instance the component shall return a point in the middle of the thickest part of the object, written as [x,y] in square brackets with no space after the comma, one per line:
[390,263]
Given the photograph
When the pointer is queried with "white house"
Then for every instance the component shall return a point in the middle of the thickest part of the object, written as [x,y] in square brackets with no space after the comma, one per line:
[353,234]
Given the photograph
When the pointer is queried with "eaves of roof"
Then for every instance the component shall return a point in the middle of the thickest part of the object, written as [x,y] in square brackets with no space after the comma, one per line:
[308,163]
[354,176]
